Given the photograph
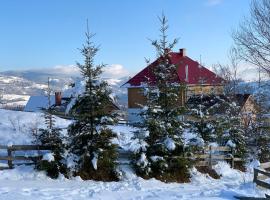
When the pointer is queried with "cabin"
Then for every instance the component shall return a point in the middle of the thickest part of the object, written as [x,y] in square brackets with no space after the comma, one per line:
[197,79]
[61,104]
[39,103]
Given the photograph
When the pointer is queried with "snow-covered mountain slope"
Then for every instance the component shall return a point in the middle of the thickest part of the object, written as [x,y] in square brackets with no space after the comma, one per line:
[16,90]
[16,127]
[17,86]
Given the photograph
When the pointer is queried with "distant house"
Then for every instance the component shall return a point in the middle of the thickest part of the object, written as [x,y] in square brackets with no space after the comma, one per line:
[62,105]
[246,106]
[196,77]
[39,103]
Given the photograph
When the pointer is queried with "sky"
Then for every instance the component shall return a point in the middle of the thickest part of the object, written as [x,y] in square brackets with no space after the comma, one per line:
[49,33]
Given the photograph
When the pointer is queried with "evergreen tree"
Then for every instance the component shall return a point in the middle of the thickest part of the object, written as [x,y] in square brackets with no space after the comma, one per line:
[90,137]
[161,127]
[216,118]
[229,127]
[51,137]
[200,109]
[261,129]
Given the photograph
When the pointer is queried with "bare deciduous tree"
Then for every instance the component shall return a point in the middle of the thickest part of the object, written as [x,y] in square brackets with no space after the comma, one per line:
[252,37]
[229,72]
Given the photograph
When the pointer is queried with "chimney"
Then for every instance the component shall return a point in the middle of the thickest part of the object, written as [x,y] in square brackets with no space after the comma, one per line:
[58,98]
[183,52]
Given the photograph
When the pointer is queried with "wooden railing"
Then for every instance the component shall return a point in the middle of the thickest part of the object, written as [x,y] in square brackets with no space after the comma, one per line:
[209,157]
[212,154]
[261,174]
[10,157]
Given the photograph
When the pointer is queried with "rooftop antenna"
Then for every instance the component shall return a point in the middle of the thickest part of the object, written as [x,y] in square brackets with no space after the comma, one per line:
[49,93]
[200,61]
[201,82]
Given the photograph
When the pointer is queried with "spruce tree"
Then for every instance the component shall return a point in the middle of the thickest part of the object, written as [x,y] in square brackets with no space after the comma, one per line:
[200,110]
[95,155]
[229,127]
[261,129]
[161,156]
[52,138]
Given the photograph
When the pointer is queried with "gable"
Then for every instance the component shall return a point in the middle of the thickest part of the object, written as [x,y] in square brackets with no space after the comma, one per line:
[37,103]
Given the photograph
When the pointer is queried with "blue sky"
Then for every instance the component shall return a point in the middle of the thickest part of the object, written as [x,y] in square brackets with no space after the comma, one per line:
[46,33]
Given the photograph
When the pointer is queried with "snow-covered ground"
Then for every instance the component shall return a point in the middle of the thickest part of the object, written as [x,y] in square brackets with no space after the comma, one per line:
[24,182]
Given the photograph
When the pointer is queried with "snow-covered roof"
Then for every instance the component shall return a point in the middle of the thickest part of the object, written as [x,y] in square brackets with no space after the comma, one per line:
[36,103]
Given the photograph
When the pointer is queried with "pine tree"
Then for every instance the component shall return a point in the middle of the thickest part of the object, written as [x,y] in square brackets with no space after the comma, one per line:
[51,137]
[90,137]
[229,127]
[260,129]
[161,127]
[200,108]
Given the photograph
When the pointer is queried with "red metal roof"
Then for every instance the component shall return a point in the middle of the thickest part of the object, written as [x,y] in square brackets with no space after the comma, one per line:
[196,74]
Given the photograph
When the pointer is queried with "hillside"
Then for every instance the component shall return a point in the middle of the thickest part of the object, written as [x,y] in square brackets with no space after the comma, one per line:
[17,86]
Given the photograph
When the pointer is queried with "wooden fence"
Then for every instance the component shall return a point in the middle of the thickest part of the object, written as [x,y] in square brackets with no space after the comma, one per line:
[261,174]
[208,157]
[211,155]
[10,157]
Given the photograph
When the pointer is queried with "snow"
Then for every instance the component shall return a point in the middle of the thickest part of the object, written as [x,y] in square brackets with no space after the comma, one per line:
[75,92]
[48,156]
[24,182]
[253,164]
[169,143]
[36,103]
[231,144]
[94,161]
[16,127]
[14,100]
[156,158]
[143,160]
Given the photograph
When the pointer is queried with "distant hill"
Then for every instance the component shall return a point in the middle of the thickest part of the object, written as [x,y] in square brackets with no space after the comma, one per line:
[17,85]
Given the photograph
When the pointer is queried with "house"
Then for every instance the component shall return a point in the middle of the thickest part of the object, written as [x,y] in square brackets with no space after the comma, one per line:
[196,77]
[39,103]
[61,104]
[214,105]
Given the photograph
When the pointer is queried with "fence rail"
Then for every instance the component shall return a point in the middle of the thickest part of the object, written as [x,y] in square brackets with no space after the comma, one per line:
[261,174]
[10,157]
[208,157]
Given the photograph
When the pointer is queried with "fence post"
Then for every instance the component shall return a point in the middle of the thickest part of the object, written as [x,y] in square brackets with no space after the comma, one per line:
[232,162]
[255,175]
[210,156]
[9,151]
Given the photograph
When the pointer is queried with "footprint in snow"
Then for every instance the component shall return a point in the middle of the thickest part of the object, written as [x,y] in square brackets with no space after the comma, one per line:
[4,190]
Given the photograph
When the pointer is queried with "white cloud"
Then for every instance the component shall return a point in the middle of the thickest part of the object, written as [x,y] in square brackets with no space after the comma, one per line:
[213,2]
[115,71]
[66,69]
[251,74]
[111,71]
